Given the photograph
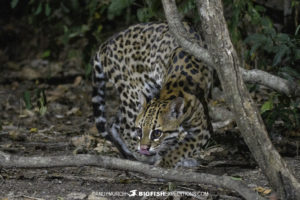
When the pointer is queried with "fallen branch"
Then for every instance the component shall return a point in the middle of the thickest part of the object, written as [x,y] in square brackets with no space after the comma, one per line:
[12,161]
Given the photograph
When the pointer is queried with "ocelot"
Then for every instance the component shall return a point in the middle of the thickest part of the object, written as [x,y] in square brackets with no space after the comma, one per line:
[163,116]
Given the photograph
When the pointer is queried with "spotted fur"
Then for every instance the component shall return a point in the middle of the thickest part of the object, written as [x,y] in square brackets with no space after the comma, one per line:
[162,90]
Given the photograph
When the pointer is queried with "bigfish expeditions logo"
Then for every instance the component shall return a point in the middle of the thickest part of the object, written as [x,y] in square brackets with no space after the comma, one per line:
[136,193]
[198,194]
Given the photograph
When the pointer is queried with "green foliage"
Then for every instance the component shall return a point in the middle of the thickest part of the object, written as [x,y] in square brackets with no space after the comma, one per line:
[297,30]
[39,98]
[187,6]
[150,11]
[14,3]
[116,7]
[41,101]
[278,52]
[83,25]
[46,54]
[145,12]
[281,109]
[236,178]
[27,99]
[268,105]
[289,73]
[267,48]
[242,11]
[266,43]
[280,46]
[68,24]
[88,70]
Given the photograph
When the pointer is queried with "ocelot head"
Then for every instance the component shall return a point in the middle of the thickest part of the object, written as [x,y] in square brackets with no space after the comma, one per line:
[158,124]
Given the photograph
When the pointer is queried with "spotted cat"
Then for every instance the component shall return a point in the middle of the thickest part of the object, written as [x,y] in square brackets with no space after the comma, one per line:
[163,117]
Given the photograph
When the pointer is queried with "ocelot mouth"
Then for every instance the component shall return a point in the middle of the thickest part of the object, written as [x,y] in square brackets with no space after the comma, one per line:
[145,152]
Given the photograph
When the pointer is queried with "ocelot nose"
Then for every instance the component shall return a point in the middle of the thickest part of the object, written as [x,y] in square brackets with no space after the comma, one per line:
[144,149]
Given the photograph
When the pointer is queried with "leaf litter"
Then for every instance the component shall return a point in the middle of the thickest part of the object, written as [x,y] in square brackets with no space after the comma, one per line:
[66,127]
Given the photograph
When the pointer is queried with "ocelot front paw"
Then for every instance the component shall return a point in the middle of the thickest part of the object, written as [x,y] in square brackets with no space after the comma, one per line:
[165,163]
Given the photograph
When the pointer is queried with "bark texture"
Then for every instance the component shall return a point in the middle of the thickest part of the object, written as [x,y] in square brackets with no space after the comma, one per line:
[222,56]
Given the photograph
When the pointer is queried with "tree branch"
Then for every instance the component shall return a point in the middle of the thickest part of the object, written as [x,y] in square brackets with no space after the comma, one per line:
[11,161]
[281,85]
[178,31]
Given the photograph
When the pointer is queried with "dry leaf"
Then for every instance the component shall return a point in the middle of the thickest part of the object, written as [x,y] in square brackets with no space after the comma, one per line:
[16,135]
[28,73]
[267,191]
[74,110]
[27,113]
[59,92]
[77,81]
[93,130]
[295,133]
[262,190]
[84,141]
[33,130]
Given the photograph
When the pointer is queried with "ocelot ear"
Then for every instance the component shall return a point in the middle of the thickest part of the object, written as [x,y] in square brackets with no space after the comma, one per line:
[143,101]
[176,107]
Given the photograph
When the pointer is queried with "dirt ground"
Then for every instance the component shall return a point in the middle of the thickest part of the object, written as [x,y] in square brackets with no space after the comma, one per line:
[66,128]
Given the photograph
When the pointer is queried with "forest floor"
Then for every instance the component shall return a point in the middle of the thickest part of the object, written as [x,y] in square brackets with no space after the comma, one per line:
[67,127]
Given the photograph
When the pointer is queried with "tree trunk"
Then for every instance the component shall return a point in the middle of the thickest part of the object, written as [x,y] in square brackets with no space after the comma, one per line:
[222,56]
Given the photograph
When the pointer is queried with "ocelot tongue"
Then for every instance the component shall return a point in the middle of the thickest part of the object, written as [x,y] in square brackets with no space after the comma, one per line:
[144,149]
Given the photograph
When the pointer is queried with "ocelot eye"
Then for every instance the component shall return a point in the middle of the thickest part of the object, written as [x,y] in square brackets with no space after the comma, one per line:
[138,132]
[156,134]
